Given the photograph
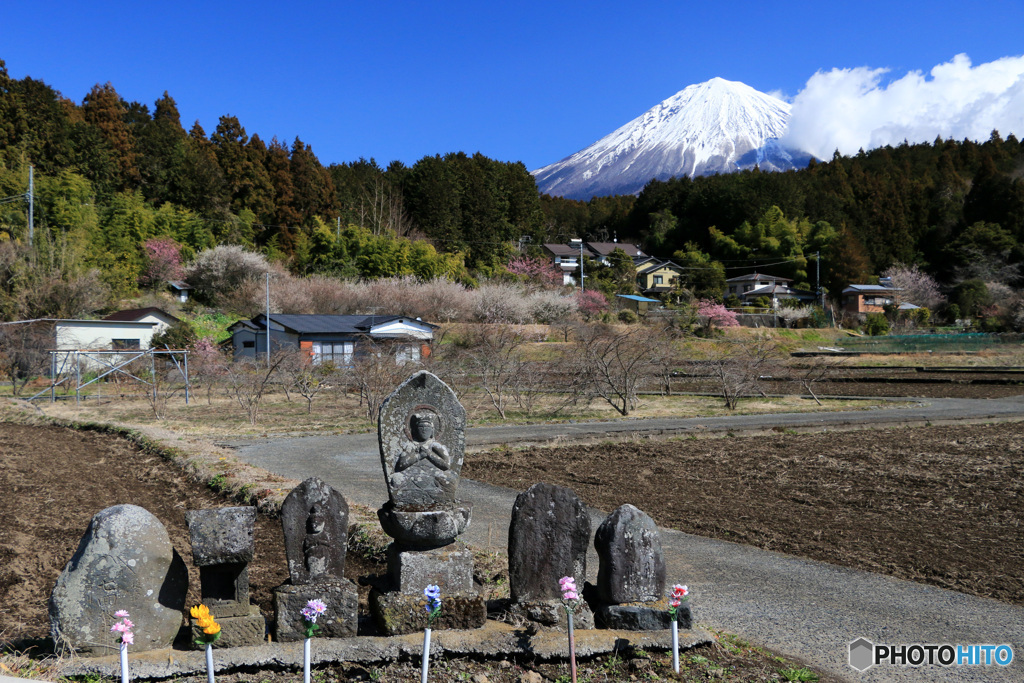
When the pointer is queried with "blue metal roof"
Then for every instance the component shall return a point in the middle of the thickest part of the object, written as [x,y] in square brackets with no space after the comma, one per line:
[634,297]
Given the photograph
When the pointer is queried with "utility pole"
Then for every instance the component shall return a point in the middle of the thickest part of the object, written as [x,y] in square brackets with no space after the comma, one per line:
[268,319]
[31,206]
[574,241]
[821,296]
[337,230]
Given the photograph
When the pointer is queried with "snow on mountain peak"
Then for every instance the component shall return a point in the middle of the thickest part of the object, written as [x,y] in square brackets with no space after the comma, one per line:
[716,126]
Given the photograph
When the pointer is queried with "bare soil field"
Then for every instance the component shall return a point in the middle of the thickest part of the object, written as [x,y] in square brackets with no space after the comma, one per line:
[937,505]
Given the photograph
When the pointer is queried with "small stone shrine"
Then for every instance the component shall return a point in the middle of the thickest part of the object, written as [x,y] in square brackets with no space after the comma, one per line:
[547,539]
[314,518]
[421,432]
[124,561]
[630,592]
[222,547]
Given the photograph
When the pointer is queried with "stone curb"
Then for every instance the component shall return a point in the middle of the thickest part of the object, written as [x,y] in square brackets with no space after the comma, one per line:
[496,640]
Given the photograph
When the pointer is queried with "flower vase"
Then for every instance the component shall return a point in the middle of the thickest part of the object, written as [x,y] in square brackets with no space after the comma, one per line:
[426,655]
[572,649]
[305,660]
[675,646]
[209,662]
[124,662]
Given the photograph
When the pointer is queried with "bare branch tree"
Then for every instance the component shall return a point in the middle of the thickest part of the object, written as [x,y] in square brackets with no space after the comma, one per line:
[613,363]
[299,372]
[493,357]
[738,366]
[24,352]
[818,369]
[248,380]
[376,371]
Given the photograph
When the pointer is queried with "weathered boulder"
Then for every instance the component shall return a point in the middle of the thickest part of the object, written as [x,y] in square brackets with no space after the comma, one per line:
[124,561]
[631,564]
[547,539]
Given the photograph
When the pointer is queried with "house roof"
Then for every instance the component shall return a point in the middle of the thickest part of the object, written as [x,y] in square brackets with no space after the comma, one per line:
[634,297]
[758,276]
[870,289]
[657,264]
[180,285]
[562,249]
[136,314]
[605,248]
[331,324]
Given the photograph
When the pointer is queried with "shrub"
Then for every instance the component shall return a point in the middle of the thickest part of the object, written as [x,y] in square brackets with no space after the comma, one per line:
[216,272]
[627,316]
[591,303]
[876,324]
[497,303]
[551,307]
[179,335]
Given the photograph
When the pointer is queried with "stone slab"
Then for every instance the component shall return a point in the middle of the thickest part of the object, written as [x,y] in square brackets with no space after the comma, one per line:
[450,568]
[495,639]
[339,621]
[222,535]
[551,613]
[641,616]
[399,613]
[235,631]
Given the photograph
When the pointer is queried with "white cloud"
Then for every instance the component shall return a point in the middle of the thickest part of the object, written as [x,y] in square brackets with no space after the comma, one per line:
[850,109]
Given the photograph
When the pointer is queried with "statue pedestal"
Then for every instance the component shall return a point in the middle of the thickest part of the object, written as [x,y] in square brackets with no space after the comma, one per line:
[641,616]
[403,609]
[339,621]
[237,631]
[424,528]
[551,613]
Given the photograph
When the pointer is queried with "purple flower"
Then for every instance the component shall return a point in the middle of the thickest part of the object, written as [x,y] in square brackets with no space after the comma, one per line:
[313,609]
[433,606]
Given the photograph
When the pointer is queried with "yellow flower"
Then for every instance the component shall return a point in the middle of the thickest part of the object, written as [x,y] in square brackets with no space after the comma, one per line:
[212,630]
[200,611]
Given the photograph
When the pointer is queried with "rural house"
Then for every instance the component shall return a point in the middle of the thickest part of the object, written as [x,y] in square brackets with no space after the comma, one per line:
[566,257]
[656,276]
[333,338]
[151,314]
[864,299]
[756,285]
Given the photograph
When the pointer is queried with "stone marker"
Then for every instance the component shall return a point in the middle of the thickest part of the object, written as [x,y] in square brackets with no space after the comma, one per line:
[632,566]
[421,433]
[630,591]
[547,539]
[222,547]
[124,561]
[314,518]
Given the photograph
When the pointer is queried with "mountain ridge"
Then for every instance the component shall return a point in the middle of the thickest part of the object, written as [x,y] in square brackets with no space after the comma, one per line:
[711,127]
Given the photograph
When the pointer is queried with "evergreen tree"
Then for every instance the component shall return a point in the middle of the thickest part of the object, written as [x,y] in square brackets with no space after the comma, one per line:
[104,109]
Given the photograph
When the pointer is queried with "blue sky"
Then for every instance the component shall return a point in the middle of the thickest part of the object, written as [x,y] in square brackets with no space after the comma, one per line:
[523,81]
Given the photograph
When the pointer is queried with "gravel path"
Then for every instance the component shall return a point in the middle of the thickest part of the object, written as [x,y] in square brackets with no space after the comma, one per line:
[801,608]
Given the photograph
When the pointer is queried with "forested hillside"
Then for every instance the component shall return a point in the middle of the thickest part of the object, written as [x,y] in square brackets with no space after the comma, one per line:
[112,174]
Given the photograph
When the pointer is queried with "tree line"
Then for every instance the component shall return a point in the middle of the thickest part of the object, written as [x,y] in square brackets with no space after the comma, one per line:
[112,174]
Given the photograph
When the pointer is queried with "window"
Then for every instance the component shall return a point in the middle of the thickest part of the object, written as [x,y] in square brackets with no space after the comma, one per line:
[248,344]
[125,344]
[409,353]
[339,353]
[658,279]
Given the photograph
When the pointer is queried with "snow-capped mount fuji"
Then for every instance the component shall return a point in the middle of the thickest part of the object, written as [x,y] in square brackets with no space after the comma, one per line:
[715,127]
